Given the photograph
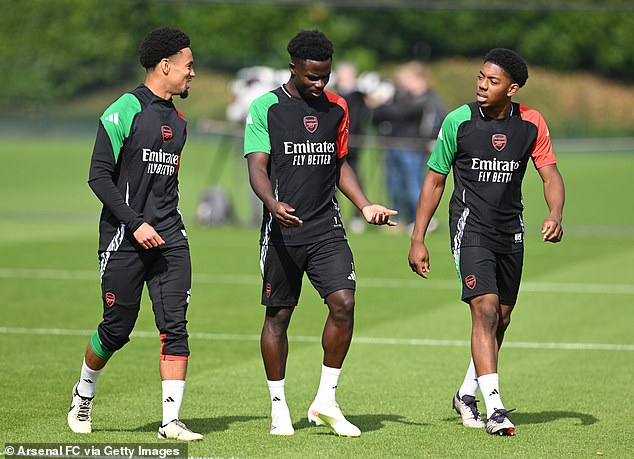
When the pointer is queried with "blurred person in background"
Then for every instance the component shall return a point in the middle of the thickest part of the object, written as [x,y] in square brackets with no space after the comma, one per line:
[142,238]
[346,86]
[410,122]
[488,144]
[296,143]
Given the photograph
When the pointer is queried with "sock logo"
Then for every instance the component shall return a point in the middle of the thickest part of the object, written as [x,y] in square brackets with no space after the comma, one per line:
[168,399]
[495,392]
[88,380]
[276,399]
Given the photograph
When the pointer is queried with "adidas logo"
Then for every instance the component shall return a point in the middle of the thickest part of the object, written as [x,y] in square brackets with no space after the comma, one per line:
[168,399]
[276,399]
[249,119]
[495,392]
[88,380]
[352,276]
[113,118]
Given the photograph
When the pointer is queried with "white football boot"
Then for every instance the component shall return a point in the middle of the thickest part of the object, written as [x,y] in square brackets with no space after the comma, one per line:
[499,423]
[467,408]
[332,417]
[281,423]
[80,414]
[176,430]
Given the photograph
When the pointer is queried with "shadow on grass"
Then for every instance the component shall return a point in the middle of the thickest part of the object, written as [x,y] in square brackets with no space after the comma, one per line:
[543,417]
[201,425]
[365,422]
[549,416]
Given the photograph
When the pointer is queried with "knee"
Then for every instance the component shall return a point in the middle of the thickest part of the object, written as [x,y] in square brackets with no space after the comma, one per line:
[342,309]
[113,338]
[505,321]
[485,313]
[277,320]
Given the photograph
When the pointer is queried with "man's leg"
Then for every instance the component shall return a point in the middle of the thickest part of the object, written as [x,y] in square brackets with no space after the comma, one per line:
[79,416]
[336,340]
[274,341]
[394,179]
[470,384]
[169,286]
[337,334]
[484,321]
[274,348]
[486,329]
[121,285]
[413,170]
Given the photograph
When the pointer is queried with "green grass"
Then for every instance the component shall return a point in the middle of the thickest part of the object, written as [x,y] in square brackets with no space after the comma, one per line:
[410,354]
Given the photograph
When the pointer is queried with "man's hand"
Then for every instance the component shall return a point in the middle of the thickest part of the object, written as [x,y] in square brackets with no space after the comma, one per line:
[552,231]
[283,213]
[419,259]
[147,237]
[376,214]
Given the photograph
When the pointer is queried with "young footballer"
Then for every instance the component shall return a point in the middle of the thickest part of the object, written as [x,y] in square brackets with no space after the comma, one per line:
[296,145]
[142,239]
[488,144]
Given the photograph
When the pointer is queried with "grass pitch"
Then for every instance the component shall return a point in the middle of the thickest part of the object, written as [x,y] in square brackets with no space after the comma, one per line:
[567,363]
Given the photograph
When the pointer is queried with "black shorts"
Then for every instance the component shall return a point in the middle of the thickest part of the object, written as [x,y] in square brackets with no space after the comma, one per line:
[483,271]
[167,273]
[328,264]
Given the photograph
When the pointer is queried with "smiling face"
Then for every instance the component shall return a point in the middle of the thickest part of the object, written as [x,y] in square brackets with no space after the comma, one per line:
[310,77]
[181,72]
[494,90]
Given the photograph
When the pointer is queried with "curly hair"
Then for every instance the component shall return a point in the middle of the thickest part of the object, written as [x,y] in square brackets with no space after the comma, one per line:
[159,44]
[511,62]
[310,44]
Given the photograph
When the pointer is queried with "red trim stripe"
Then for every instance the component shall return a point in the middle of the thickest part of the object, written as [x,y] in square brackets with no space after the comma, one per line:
[168,356]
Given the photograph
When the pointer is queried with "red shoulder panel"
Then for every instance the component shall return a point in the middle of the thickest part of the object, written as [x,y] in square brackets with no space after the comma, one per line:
[344,125]
[542,153]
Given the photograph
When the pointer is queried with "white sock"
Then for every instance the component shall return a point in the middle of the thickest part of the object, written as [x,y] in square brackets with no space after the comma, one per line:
[470,383]
[490,388]
[328,385]
[173,390]
[278,398]
[88,381]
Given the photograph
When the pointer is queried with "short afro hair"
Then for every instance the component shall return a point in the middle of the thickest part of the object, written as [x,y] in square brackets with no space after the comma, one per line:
[511,62]
[310,45]
[159,44]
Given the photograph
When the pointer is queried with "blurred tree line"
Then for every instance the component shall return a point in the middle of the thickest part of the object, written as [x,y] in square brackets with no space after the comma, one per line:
[55,49]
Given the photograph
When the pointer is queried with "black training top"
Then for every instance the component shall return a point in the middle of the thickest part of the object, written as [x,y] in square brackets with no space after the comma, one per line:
[489,159]
[304,141]
[134,169]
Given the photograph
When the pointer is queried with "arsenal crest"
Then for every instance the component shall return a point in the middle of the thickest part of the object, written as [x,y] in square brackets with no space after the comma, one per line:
[311,123]
[110,299]
[470,282]
[166,133]
[498,141]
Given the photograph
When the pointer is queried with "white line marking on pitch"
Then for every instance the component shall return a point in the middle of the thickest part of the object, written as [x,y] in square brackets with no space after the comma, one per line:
[527,286]
[316,339]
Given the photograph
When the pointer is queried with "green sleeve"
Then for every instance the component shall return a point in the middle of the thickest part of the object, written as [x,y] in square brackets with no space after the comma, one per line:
[117,120]
[256,130]
[444,153]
